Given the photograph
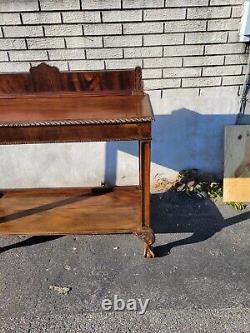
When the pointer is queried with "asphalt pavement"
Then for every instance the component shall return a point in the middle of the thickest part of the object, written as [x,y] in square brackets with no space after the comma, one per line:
[199,281]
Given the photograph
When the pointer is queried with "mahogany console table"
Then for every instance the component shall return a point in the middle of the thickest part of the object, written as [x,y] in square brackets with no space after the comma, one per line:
[48,106]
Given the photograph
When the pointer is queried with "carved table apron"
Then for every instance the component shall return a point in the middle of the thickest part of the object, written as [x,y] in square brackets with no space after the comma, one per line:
[48,106]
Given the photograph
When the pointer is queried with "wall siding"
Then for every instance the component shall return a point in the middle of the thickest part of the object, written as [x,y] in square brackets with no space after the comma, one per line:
[179,44]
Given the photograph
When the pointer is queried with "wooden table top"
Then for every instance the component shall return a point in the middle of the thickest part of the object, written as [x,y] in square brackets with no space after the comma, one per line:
[70,109]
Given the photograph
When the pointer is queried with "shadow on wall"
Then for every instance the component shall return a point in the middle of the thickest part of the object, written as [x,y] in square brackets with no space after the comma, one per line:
[182,140]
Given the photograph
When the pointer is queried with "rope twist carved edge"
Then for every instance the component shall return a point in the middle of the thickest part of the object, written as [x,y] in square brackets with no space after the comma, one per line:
[77,122]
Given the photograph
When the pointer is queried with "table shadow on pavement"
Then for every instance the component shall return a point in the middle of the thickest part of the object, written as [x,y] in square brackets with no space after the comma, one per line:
[176,212]
[172,212]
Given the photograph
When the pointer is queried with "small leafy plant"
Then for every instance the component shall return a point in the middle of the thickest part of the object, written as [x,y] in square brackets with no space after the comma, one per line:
[237,205]
[190,183]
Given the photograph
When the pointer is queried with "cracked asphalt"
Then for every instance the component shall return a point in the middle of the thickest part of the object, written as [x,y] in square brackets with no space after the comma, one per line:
[199,282]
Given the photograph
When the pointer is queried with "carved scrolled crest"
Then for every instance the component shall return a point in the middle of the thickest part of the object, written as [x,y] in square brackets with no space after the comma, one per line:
[45,78]
[48,79]
[138,81]
[43,67]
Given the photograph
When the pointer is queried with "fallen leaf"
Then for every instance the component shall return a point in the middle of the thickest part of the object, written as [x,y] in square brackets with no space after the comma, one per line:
[60,290]
[67,267]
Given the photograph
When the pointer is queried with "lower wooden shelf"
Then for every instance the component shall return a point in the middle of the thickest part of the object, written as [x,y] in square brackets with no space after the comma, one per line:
[70,211]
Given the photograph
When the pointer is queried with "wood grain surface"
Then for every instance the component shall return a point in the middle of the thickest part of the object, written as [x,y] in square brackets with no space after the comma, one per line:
[46,106]
[43,111]
[47,79]
[70,211]
[237,164]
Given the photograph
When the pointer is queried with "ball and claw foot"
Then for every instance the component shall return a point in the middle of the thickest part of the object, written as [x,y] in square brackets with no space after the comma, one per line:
[147,235]
[148,251]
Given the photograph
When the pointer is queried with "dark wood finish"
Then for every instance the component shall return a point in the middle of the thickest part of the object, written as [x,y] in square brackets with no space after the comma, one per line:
[147,235]
[144,173]
[46,79]
[77,110]
[145,158]
[74,133]
[48,106]
[70,211]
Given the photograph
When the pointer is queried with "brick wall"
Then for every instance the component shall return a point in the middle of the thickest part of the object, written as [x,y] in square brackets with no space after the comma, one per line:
[180,44]
[193,67]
